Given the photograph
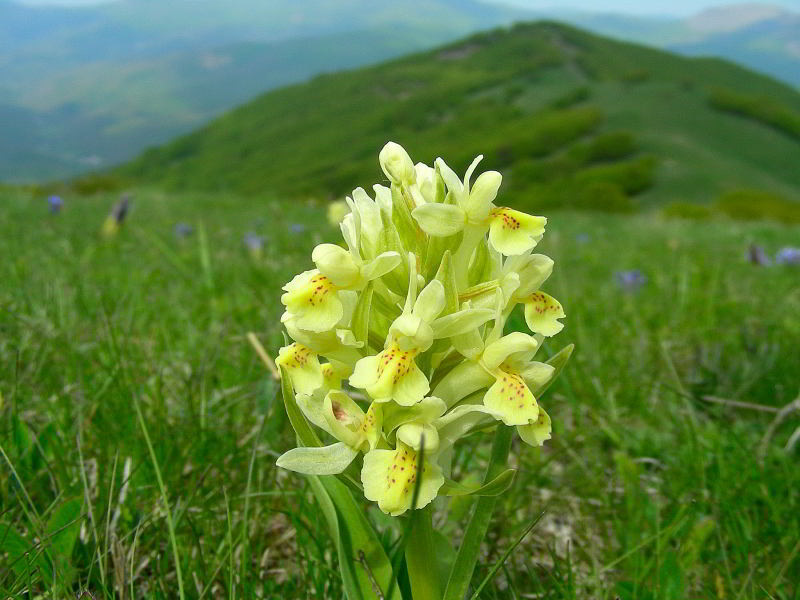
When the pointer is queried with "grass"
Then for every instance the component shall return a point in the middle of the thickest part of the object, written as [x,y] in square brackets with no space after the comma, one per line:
[125,364]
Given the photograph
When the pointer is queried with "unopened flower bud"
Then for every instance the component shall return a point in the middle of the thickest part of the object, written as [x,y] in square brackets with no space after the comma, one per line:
[397,164]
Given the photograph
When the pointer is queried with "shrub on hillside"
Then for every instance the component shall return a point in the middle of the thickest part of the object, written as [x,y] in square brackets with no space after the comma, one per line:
[764,110]
[601,196]
[605,147]
[687,210]
[632,176]
[572,97]
[98,183]
[543,170]
[756,205]
[635,76]
[552,131]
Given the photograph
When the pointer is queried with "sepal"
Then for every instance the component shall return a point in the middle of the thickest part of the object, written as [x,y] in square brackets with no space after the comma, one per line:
[440,220]
[324,460]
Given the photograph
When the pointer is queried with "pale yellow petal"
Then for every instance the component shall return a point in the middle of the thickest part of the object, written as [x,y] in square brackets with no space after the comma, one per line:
[510,397]
[512,232]
[389,478]
[536,433]
[312,301]
[303,367]
[542,312]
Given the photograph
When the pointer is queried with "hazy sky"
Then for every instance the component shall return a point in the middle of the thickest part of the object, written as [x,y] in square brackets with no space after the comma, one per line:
[657,7]
[641,7]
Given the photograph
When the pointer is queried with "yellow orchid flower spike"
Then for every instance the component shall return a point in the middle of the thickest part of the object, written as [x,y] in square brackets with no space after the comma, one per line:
[399,339]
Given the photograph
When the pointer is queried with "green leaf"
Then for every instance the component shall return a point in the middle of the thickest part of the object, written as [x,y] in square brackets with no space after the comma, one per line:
[24,558]
[447,276]
[62,532]
[558,361]
[325,460]
[696,541]
[362,560]
[464,565]
[360,322]
[21,436]
[296,416]
[495,487]
[389,240]
[407,227]
[671,578]
[445,555]
[505,556]
[63,527]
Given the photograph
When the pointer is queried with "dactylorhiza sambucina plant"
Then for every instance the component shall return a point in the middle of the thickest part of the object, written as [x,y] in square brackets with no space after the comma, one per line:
[410,312]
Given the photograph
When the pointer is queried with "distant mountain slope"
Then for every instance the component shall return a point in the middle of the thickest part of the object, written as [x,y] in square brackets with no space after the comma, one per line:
[763,38]
[760,36]
[566,115]
[103,82]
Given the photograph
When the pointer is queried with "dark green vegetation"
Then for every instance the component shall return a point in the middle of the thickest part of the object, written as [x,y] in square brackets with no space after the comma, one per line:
[570,118]
[651,492]
[758,108]
[88,87]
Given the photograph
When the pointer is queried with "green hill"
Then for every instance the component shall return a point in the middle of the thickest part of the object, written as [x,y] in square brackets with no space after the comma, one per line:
[98,84]
[569,117]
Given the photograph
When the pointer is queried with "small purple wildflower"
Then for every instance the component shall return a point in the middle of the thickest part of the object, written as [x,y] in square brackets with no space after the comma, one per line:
[56,204]
[788,256]
[297,228]
[582,238]
[182,230]
[756,256]
[253,242]
[630,281]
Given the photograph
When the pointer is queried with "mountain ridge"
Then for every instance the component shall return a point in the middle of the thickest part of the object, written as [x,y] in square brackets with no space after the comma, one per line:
[522,88]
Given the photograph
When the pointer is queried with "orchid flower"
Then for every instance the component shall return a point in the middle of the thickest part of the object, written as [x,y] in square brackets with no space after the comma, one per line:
[411,310]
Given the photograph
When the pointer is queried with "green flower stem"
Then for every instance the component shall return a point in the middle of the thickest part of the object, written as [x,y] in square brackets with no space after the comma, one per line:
[464,565]
[421,557]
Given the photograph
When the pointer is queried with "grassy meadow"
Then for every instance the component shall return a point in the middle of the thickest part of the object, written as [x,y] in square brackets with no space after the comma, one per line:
[139,429]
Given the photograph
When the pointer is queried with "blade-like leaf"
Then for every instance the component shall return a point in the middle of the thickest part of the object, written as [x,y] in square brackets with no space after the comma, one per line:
[495,487]
[558,361]
[360,321]
[296,417]
[362,560]
[63,527]
[325,460]
[505,556]
[24,558]
[62,532]
[464,565]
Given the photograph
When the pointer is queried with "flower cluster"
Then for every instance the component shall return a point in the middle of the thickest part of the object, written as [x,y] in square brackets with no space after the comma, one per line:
[410,312]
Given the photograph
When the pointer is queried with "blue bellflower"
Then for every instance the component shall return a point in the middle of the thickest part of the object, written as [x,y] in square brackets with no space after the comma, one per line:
[630,281]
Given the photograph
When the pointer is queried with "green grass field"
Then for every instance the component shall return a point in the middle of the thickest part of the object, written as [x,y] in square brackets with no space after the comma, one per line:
[129,389]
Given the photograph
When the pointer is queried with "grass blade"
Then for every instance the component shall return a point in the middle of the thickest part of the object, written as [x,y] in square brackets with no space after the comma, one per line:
[464,566]
[505,556]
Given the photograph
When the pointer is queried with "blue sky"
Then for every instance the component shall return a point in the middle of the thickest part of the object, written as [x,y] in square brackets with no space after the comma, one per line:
[639,7]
